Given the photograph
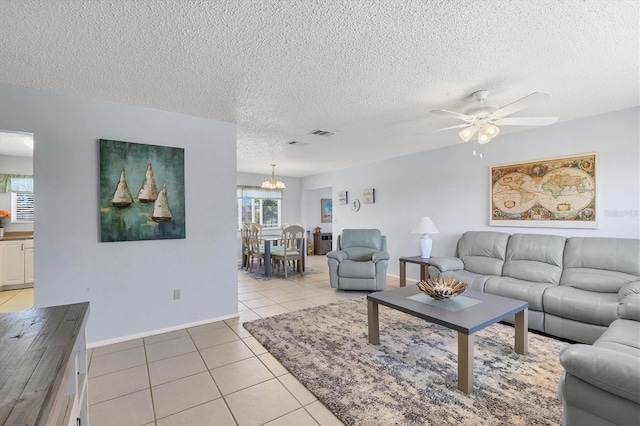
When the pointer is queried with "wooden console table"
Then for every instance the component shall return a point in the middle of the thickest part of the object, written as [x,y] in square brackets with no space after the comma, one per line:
[43,366]
[424,268]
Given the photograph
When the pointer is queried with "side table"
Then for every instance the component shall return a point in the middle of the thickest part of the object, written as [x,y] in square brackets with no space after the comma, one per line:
[424,268]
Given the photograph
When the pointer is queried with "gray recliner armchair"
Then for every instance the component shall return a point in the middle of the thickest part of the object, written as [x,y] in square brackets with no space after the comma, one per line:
[360,261]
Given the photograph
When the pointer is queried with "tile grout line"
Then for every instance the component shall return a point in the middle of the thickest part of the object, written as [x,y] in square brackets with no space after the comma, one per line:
[211,375]
[153,405]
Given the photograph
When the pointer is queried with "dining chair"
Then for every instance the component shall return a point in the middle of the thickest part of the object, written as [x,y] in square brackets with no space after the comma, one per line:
[246,246]
[289,250]
[259,227]
[256,250]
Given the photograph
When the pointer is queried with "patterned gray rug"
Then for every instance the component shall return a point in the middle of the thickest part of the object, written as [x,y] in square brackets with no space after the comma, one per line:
[411,377]
[258,273]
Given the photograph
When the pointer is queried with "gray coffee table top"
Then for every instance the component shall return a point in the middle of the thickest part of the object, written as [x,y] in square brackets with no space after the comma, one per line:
[467,313]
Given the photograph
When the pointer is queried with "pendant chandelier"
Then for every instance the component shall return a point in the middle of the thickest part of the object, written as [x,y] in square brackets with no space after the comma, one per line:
[272,182]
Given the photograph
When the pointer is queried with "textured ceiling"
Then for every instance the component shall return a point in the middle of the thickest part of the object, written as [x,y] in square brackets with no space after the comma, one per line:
[370,71]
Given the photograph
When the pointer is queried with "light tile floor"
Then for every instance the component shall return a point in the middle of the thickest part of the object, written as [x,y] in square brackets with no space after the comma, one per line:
[214,374]
[16,300]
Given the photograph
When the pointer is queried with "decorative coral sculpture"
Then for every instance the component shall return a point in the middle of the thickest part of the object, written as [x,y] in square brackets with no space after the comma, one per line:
[442,289]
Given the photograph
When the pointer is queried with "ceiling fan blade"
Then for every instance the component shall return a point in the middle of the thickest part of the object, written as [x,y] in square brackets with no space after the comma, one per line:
[454,127]
[453,114]
[522,103]
[525,121]
[446,128]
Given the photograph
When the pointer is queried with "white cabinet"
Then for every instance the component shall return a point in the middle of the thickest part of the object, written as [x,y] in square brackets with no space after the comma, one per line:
[16,257]
[28,262]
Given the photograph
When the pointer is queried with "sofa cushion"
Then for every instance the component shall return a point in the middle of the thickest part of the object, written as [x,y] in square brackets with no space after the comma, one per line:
[596,280]
[600,264]
[483,252]
[613,254]
[360,254]
[370,238]
[536,258]
[581,305]
[351,269]
[527,291]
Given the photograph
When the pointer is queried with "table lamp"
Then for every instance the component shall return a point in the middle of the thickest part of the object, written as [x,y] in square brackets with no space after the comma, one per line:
[425,226]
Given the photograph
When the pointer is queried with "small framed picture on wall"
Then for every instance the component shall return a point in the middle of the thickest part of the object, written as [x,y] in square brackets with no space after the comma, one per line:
[326,210]
[369,196]
[342,197]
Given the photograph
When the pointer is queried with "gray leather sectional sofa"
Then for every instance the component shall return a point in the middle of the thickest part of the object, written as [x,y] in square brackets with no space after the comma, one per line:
[583,289]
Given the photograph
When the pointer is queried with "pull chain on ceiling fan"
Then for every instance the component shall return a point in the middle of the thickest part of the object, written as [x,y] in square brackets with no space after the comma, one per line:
[485,119]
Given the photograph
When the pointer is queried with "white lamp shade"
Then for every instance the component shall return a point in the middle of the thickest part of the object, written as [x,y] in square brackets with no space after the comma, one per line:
[425,226]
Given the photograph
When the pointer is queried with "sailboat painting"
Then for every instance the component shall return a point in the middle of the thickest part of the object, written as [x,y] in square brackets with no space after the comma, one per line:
[149,191]
[161,212]
[122,196]
[128,168]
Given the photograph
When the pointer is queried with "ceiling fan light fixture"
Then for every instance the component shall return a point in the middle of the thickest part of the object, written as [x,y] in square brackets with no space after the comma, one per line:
[483,137]
[492,130]
[487,132]
[467,133]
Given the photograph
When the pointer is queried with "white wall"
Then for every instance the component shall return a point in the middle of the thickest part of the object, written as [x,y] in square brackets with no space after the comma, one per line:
[312,209]
[11,165]
[129,284]
[452,186]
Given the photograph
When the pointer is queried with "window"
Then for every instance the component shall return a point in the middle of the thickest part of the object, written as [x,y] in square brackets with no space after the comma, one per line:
[21,188]
[259,205]
[22,207]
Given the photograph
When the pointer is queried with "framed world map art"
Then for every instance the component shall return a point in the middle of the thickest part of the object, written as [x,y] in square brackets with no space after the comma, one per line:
[555,192]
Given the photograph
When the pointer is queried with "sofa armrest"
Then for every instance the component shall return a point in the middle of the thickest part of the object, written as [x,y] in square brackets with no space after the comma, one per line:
[629,289]
[629,307]
[612,371]
[338,255]
[380,255]
[446,263]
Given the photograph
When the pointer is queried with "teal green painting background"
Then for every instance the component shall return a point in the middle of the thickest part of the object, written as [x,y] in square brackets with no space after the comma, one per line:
[134,223]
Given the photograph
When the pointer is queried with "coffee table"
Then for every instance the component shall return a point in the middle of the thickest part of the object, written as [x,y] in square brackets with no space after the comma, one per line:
[466,314]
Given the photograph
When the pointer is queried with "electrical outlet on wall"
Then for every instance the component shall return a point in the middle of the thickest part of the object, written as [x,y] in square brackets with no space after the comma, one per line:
[176,294]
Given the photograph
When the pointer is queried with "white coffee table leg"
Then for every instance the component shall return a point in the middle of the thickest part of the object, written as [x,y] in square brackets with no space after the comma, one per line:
[465,362]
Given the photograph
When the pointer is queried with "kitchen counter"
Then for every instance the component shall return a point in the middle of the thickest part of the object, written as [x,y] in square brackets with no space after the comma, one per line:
[18,235]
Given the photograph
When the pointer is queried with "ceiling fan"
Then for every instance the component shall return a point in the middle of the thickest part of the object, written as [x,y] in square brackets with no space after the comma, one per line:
[485,119]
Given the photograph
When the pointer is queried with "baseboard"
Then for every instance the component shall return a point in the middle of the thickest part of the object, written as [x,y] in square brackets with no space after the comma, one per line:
[158,331]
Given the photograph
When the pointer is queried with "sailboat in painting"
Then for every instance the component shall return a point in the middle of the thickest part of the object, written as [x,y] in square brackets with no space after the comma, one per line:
[122,196]
[160,212]
[149,191]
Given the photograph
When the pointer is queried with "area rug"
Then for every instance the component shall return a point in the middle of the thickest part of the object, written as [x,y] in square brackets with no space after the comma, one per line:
[411,377]
[258,273]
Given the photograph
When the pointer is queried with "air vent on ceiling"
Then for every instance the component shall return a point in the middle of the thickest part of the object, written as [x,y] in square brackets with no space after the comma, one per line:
[296,143]
[319,132]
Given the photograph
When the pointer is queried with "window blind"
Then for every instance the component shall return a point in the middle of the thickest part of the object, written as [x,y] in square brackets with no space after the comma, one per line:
[258,192]
[22,207]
